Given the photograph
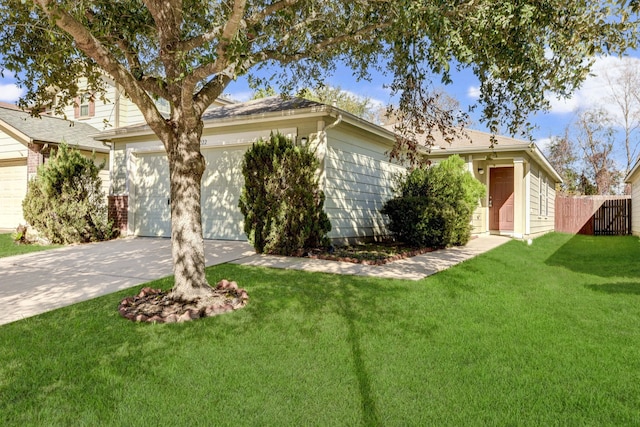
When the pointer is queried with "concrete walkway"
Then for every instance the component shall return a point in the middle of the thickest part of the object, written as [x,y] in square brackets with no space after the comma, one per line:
[414,268]
[38,282]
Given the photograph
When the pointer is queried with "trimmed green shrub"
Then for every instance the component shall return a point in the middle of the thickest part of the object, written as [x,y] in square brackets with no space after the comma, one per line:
[65,201]
[281,199]
[435,205]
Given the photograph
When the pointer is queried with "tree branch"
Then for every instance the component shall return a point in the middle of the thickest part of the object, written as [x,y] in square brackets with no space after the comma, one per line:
[277,55]
[269,10]
[94,49]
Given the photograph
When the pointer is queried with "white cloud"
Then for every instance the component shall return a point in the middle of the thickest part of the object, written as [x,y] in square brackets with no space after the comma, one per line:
[473,92]
[543,144]
[9,92]
[595,91]
[241,96]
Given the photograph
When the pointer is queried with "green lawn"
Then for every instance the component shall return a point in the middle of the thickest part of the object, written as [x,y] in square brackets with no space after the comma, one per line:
[9,248]
[547,334]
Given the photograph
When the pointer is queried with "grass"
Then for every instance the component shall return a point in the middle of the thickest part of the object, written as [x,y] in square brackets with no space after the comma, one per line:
[523,335]
[9,248]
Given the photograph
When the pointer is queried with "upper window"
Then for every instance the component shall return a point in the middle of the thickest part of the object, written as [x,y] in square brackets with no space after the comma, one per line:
[84,106]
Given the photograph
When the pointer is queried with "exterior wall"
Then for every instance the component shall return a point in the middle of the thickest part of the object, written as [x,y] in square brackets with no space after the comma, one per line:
[10,148]
[635,205]
[103,111]
[118,207]
[358,179]
[127,151]
[542,198]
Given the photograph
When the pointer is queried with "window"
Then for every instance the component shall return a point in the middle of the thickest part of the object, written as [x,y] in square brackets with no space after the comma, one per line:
[546,204]
[540,194]
[84,106]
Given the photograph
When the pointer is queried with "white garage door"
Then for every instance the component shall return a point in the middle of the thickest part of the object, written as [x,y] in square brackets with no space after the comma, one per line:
[13,187]
[152,213]
[221,186]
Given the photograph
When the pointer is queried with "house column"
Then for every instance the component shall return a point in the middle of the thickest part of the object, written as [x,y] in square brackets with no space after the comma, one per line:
[519,197]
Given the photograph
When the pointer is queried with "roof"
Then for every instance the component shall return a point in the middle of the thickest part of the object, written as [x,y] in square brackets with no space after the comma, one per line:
[478,142]
[263,108]
[634,171]
[272,104]
[51,130]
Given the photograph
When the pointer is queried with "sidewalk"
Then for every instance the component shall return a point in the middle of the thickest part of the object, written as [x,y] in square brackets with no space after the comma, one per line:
[414,268]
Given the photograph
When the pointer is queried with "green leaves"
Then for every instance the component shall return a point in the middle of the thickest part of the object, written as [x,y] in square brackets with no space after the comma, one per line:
[281,200]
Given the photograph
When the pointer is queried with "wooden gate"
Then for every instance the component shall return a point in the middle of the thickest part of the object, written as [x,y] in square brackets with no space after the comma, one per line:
[594,215]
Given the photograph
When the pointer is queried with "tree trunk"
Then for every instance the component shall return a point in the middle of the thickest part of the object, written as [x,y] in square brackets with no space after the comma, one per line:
[186,167]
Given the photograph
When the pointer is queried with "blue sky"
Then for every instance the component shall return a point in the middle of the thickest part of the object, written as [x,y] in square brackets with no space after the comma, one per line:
[593,93]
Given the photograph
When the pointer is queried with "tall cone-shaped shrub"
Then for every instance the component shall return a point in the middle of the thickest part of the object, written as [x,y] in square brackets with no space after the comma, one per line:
[281,200]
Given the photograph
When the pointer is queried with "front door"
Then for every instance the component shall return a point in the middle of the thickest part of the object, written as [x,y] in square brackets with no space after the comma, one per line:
[501,199]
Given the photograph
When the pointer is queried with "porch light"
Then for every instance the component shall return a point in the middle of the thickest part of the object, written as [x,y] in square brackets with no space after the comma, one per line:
[480,171]
[304,140]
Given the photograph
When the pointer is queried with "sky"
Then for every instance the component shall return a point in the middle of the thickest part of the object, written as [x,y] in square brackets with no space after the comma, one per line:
[465,88]
[593,93]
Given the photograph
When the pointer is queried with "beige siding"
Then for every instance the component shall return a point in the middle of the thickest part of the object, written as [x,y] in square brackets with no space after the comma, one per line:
[10,148]
[541,214]
[13,182]
[635,205]
[358,180]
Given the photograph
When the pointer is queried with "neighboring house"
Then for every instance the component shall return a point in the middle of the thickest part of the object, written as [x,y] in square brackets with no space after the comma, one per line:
[356,174]
[26,143]
[118,110]
[633,178]
[520,182]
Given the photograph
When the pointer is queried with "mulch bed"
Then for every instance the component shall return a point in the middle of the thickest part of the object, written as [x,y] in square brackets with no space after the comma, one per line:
[380,259]
[155,305]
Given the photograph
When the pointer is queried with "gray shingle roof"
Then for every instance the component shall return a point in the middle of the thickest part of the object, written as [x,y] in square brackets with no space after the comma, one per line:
[52,130]
[272,104]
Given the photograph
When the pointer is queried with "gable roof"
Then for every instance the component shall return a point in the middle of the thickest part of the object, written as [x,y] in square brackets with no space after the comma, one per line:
[270,108]
[49,130]
[478,142]
[634,171]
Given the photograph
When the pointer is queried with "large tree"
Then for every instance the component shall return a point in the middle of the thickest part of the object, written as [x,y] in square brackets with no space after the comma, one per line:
[187,52]
[624,86]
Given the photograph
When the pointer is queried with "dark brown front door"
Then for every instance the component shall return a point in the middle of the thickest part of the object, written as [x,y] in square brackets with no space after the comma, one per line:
[501,199]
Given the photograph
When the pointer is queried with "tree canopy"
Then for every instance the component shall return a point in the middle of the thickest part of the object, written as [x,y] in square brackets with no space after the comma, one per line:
[187,52]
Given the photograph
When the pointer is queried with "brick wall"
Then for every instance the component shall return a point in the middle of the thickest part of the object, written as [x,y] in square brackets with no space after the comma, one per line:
[34,158]
[118,207]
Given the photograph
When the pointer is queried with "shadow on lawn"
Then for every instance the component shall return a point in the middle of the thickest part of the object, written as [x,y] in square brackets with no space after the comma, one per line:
[617,288]
[105,352]
[602,256]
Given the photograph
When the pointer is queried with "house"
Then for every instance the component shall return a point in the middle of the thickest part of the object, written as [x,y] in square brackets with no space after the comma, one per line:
[27,142]
[520,182]
[356,174]
[633,178]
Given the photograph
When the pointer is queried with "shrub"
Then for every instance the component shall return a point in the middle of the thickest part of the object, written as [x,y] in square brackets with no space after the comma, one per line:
[281,200]
[65,202]
[434,205]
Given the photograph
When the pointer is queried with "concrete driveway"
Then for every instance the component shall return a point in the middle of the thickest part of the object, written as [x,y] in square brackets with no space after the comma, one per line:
[34,283]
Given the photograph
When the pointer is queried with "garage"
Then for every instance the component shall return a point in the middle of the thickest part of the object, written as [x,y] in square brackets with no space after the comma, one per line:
[13,177]
[221,186]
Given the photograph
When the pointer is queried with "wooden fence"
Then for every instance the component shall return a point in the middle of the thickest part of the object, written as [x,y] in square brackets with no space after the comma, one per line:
[593,215]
